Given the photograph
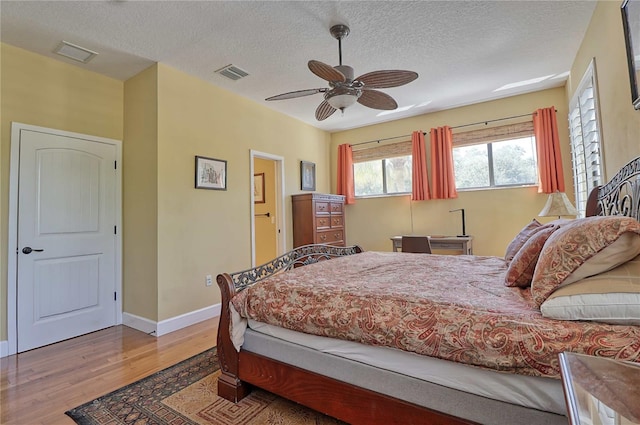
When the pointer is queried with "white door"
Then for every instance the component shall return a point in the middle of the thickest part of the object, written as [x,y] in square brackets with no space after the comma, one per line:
[66,280]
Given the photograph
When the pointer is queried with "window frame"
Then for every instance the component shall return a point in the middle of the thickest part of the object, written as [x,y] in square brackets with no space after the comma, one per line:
[384,178]
[585,169]
[504,134]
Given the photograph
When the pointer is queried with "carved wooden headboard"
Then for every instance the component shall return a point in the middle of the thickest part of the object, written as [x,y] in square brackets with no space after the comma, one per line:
[620,196]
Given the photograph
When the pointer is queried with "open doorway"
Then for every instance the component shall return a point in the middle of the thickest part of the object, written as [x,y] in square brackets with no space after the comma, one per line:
[267,207]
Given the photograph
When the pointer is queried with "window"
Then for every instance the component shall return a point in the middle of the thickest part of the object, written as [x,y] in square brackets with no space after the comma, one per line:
[495,157]
[384,176]
[383,169]
[584,130]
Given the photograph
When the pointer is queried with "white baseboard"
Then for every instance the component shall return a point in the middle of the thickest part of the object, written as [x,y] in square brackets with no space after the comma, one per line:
[154,328]
[173,324]
[139,323]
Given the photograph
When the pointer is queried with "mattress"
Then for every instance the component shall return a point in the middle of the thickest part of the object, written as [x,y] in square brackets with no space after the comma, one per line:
[539,393]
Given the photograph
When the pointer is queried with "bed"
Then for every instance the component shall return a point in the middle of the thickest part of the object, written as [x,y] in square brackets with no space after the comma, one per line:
[405,339]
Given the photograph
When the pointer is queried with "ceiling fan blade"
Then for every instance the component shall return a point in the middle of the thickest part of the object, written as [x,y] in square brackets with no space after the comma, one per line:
[324,111]
[387,78]
[326,72]
[377,100]
[294,94]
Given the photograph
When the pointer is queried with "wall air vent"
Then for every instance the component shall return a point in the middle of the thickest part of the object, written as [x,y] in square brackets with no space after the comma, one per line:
[74,52]
[232,72]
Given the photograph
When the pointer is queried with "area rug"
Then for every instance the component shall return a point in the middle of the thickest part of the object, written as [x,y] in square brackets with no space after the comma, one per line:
[186,394]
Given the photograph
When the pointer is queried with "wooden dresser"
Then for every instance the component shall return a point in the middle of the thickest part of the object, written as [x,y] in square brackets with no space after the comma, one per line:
[318,218]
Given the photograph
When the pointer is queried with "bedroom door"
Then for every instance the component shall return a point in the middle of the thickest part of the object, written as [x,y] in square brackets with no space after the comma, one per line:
[66,259]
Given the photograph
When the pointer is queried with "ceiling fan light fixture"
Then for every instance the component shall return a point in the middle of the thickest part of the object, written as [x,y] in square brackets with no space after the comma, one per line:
[341,101]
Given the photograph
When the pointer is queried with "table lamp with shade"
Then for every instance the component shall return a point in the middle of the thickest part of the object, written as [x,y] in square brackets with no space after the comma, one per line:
[558,204]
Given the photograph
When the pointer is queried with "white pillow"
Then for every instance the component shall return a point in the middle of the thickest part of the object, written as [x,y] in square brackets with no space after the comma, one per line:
[625,247]
[609,297]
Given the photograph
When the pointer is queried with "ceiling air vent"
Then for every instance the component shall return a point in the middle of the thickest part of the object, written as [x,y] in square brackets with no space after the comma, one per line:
[232,72]
[75,52]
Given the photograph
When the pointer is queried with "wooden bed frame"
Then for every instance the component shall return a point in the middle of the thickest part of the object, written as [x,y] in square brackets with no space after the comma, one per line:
[349,403]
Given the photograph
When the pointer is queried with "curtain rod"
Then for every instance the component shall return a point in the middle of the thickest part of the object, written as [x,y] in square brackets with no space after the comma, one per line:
[458,126]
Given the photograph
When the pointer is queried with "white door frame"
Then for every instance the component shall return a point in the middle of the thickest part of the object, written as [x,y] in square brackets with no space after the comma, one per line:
[280,210]
[12,251]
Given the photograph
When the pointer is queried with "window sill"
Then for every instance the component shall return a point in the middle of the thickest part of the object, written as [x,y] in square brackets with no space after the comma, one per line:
[475,189]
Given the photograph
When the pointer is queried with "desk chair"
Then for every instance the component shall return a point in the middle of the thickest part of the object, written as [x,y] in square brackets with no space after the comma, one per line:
[417,244]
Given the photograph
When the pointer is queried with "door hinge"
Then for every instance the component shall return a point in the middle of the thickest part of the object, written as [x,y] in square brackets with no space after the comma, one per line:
[115,296]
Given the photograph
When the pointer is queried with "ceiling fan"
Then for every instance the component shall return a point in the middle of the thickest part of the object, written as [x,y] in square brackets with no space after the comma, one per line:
[344,90]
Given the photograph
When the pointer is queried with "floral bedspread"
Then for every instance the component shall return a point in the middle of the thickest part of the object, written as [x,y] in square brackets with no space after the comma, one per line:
[451,307]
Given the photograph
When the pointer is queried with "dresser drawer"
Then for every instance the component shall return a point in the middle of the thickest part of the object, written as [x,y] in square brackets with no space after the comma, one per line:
[330,236]
[322,207]
[324,222]
[337,221]
[318,218]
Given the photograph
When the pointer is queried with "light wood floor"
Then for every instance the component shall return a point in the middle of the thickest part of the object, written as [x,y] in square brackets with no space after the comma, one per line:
[38,386]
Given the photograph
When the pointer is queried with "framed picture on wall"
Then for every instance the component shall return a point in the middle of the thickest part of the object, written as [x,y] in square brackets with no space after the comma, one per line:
[211,173]
[307,175]
[258,188]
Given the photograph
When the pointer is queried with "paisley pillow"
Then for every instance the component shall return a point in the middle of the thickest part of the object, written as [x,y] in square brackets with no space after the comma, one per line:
[520,239]
[574,244]
[521,268]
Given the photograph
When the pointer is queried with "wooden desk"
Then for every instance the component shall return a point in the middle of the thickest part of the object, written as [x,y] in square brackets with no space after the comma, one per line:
[455,243]
[599,390]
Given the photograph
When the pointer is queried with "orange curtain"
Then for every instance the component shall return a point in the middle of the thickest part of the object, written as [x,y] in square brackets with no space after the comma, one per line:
[545,128]
[442,175]
[345,174]
[420,179]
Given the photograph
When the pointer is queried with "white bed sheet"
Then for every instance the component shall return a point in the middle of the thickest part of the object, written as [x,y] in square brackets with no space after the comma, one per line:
[529,391]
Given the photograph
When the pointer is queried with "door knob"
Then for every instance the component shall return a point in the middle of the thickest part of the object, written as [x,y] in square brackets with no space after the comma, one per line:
[29,250]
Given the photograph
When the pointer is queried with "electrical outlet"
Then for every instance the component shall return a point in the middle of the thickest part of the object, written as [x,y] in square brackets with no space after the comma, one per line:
[208,280]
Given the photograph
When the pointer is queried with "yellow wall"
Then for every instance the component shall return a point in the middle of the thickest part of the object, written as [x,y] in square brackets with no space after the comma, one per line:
[604,40]
[493,217]
[140,195]
[40,91]
[265,227]
[204,232]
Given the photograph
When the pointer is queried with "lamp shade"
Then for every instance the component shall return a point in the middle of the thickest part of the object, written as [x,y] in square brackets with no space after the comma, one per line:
[558,204]
[342,101]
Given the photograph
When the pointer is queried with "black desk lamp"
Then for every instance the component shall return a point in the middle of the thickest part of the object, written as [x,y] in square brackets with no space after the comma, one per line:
[464,231]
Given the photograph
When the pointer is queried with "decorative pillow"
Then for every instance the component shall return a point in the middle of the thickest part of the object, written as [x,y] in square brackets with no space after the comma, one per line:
[523,265]
[520,239]
[609,297]
[573,244]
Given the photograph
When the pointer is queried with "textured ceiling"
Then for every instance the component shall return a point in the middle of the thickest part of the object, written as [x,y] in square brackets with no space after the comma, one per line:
[462,50]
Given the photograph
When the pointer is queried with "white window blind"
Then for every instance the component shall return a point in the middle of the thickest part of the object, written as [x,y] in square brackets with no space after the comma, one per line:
[586,154]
